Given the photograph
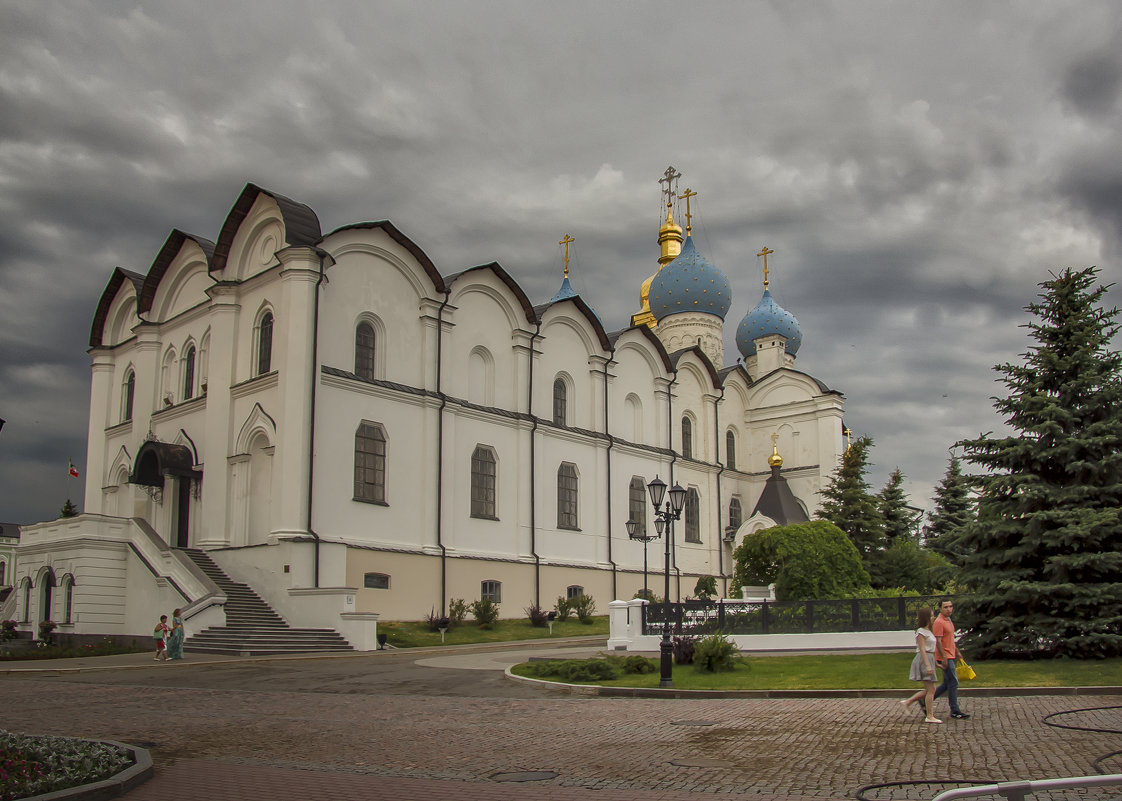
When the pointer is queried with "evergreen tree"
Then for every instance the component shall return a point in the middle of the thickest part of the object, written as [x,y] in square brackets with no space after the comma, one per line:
[954,508]
[1044,557]
[898,520]
[847,503]
[68,510]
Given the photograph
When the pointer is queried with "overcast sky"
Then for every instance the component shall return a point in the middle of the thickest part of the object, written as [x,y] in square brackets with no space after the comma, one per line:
[918,168]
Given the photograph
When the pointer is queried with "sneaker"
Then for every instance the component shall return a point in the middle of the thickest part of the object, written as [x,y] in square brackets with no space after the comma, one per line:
[959,715]
[931,720]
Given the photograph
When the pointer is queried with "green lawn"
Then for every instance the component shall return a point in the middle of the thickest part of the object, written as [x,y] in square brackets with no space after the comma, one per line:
[870,672]
[417,634]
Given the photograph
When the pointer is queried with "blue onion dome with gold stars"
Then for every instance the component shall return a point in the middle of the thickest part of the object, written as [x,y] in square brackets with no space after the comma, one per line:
[690,283]
[768,319]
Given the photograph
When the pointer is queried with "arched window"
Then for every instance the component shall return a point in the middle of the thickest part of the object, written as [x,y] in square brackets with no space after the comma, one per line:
[637,504]
[483,482]
[189,373]
[128,396]
[491,590]
[730,450]
[364,351]
[693,516]
[560,402]
[46,593]
[736,516]
[687,438]
[567,496]
[3,573]
[265,344]
[370,463]
[26,600]
[68,600]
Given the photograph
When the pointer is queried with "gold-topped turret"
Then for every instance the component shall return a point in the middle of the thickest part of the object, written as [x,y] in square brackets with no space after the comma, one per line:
[775,460]
[670,245]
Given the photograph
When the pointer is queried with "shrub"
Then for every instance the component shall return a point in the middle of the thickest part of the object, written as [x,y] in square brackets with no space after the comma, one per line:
[39,765]
[45,629]
[639,664]
[715,652]
[437,621]
[575,669]
[684,650]
[8,630]
[538,616]
[485,611]
[563,608]
[706,587]
[457,611]
[585,607]
[647,594]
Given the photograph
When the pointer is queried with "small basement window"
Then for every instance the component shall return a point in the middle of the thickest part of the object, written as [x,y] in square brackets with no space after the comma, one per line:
[376,581]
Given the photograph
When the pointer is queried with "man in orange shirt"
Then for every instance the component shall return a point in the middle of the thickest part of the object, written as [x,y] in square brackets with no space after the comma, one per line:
[945,654]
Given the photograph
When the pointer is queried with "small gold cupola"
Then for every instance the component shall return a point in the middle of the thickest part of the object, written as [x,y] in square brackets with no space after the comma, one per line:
[775,460]
[670,240]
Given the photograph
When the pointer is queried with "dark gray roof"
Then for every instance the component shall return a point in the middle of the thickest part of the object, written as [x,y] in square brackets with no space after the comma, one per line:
[778,502]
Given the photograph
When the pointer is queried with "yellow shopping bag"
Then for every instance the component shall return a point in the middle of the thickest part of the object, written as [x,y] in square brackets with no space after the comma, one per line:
[964,671]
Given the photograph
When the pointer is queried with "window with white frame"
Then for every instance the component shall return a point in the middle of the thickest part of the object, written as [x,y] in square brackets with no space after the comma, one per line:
[484,475]
[574,591]
[736,515]
[68,600]
[364,351]
[189,373]
[637,504]
[687,438]
[693,516]
[730,449]
[567,495]
[265,344]
[491,590]
[128,395]
[370,463]
[560,402]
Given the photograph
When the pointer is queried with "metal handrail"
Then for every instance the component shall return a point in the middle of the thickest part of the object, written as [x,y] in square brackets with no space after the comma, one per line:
[1016,791]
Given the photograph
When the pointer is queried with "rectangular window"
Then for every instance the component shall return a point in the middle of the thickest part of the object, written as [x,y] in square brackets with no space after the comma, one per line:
[637,505]
[574,591]
[567,496]
[370,463]
[483,481]
[491,591]
[693,516]
[376,581]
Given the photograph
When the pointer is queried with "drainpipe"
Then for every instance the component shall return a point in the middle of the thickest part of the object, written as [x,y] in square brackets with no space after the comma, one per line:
[721,465]
[611,443]
[323,255]
[440,457]
[673,460]
[534,471]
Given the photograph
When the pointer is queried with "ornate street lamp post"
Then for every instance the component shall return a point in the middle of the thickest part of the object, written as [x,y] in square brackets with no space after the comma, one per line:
[632,532]
[664,519]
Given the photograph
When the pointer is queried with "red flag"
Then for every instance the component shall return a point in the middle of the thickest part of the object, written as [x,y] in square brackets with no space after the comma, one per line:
[73,470]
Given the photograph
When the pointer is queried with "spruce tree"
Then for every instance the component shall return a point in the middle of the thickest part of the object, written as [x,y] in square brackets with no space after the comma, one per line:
[68,509]
[954,508]
[1044,564]
[898,520]
[848,504]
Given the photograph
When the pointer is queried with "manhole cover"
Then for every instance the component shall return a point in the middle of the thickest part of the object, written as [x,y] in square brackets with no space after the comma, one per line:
[693,723]
[525,776]
[701,762]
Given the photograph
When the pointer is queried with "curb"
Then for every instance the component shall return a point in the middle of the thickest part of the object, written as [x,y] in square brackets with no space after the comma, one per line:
[115,786]
[655,692]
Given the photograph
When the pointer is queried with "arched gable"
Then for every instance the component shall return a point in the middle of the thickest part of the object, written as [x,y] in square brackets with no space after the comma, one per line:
[576,303]
[785,386]
[121,464]
[683,357]
[256,422]
[178,278]
[339,246]
[119,298]
[517,307]
[259,224]
[575,315]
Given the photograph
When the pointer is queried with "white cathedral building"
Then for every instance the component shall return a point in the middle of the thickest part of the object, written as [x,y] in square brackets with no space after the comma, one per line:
[354,433]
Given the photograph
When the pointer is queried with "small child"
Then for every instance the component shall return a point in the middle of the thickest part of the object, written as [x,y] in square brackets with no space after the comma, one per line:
[160,634]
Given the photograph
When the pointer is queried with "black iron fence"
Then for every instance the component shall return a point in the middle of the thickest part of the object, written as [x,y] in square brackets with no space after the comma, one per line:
[786,617]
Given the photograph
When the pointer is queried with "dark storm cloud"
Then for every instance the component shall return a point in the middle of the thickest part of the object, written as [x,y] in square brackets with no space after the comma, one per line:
[917,169]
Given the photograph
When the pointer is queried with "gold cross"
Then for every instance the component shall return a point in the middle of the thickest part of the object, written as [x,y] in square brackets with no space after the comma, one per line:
[568,239]
[765,253]
[848,439]
[670,178]
[686,197]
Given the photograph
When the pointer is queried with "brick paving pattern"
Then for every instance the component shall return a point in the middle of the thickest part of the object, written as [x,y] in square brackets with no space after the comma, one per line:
[326,729]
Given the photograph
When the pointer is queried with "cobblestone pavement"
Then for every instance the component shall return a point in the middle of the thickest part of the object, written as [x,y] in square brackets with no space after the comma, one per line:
[389,728]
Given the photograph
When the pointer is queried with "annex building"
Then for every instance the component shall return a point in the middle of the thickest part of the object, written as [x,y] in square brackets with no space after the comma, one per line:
[354,431]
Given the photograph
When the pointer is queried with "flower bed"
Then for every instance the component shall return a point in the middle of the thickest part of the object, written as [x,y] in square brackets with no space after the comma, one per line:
[33,765]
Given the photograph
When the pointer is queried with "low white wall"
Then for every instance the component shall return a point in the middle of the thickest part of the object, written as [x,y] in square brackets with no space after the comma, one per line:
[626,634]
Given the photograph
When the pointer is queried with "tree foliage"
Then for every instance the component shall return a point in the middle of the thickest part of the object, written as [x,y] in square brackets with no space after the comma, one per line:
[68,509]
[1044,558]
[897,518]
[848,504]
[954,508]
[805,560]
[906,566]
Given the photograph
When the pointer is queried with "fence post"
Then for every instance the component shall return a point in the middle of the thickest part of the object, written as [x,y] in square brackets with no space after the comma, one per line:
[763,618]
[720,616]
[856,615]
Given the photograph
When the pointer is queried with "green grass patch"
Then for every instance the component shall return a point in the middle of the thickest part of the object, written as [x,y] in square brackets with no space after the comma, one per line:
[865,672]
[417,635]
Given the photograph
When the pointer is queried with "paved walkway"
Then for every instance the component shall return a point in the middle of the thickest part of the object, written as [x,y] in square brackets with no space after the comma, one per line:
[418,725]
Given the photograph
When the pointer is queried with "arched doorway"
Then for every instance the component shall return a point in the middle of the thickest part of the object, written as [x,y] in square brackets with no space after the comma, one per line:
[46,594]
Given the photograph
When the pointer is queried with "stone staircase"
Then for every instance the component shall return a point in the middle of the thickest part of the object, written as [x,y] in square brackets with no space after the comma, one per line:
[252,627]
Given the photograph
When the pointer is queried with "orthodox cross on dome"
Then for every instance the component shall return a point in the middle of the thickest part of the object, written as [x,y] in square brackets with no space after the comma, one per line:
[765,252]
[689,217]
[775,460]
[848,438]
[566,242]
[670,178]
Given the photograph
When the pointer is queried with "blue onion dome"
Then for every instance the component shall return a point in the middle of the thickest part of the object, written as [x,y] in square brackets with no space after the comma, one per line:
[766,319]
[690,283]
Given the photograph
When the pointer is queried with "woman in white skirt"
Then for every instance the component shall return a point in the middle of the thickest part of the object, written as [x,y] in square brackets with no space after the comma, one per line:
[923,666]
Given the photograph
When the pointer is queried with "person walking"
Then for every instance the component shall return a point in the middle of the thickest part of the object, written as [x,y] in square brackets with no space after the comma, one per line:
[945,655]
[175,639]
[923,666]
[160,635]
